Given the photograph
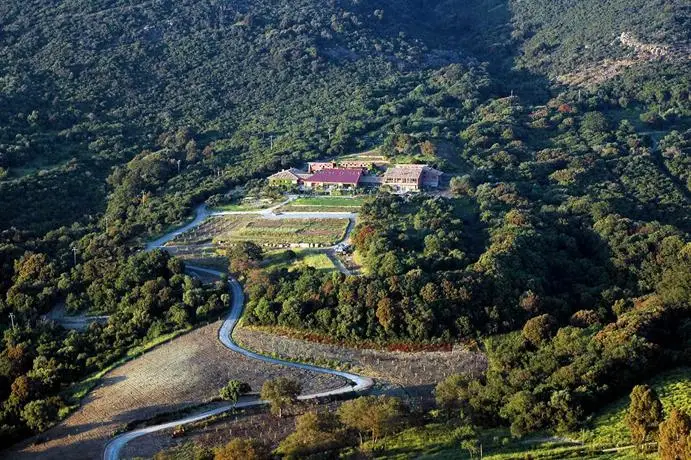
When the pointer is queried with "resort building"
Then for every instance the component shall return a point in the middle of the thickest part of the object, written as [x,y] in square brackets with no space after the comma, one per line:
[401,178]
[334,178]
[410,177]
[286,177]
[355,164]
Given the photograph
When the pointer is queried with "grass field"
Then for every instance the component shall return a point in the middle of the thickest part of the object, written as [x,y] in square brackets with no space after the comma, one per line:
[440,441]
[267,231]
[324,204]
[304,257]
[608,427]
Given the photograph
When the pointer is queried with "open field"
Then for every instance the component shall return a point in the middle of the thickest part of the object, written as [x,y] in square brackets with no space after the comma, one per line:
[304,257]
[178,374]
[278,232]
[443,441]
[324,204]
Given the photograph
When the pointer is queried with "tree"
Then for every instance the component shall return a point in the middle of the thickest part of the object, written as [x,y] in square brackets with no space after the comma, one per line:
[644,414]
[244,256]
[40,414]
[385,312]
[241,449]
[461,186]
[314,432]
[675,436]
[377,416]
[281,393]
[539,329]
[452,392]
[233,390]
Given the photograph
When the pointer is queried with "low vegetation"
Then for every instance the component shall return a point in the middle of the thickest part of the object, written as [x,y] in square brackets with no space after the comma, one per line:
[297,259]
[609,428]
[324,204]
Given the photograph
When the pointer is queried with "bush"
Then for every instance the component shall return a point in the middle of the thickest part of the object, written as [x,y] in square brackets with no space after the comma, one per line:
[539,329]
[233,390]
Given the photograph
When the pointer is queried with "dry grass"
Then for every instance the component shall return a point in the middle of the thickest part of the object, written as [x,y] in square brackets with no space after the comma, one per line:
[178,374]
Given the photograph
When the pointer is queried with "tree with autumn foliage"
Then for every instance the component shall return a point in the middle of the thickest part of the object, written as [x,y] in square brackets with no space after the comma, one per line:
[675,436]
[644,415]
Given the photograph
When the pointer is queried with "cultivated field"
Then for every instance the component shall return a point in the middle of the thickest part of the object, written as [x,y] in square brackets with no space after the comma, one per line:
[264,231]
[251,424]
[184,372]
[415,373]
[324,204]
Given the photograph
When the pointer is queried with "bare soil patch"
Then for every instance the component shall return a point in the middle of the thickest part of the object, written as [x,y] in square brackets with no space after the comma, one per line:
[250,424]
[178,374]
[416,373]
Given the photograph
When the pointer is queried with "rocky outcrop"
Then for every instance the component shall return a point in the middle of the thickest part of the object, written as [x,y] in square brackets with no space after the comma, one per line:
[651,49]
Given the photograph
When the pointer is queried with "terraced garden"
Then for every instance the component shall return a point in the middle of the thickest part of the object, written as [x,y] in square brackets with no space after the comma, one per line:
[265,231]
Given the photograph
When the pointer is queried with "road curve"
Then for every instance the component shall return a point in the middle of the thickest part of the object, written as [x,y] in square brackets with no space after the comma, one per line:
[358,383]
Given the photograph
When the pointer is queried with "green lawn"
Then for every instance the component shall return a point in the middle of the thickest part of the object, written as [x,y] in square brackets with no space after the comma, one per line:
[329,201]
[304,257]
[608,427]
[440,441]
[325,204]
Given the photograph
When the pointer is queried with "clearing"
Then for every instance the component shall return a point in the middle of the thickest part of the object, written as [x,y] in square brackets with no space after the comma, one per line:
[299,258]
[178,374]
[279,232]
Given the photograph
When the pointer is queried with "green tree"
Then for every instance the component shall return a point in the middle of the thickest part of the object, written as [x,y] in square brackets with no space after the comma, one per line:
[40,414]
[539,329]
[675,436]
[241,449]
[452,393]
[314,432]
[644,414]
[233,390]
[281,393]
[377,416]
[244,256]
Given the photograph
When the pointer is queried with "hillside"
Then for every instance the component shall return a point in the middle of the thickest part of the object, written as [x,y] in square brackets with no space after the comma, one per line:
[562,36]
[560,248]
[88,85]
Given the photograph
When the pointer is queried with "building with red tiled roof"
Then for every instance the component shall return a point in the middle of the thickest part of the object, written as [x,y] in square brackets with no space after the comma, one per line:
[334,177]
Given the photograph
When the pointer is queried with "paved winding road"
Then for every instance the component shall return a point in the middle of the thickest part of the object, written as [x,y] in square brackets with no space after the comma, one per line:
[358,383]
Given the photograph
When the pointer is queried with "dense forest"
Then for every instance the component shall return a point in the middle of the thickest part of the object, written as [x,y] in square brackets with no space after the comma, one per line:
[569,209]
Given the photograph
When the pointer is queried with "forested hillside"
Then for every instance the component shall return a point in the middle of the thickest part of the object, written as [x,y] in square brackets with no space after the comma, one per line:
[562,35]
[571,199]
